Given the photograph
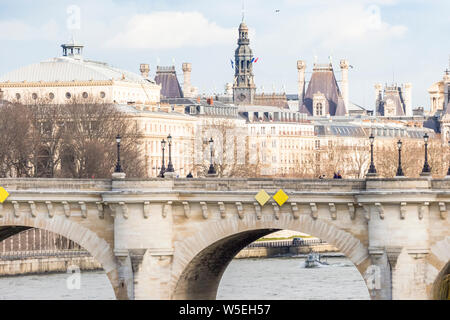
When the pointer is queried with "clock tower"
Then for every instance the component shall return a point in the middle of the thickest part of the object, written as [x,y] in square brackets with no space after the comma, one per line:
[244,87]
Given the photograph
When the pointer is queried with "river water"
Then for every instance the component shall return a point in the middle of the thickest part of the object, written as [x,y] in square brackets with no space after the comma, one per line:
[274,278]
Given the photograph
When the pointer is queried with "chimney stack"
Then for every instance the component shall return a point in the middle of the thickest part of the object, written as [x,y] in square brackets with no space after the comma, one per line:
[187,68]
[378,97]
[407,98]
[145,70]
[301,67]
[344,84]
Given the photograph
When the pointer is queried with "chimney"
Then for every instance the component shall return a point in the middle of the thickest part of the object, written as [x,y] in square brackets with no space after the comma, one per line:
[378,97]
[407,97]
[301,67]
[344,84]
[145,70]
[187,68]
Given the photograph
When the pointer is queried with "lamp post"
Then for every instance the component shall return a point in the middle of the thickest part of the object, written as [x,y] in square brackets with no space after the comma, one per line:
[170,165]
[211,170]
[399,169]
[372,171]
[163,167]
[118,166]
[426,167]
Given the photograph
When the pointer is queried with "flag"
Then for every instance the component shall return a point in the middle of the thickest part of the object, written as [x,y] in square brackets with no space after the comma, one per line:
[256,60]
[252,60]
[232,64]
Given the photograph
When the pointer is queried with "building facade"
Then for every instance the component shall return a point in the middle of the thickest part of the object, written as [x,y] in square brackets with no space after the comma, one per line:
[393,100]
[71,77]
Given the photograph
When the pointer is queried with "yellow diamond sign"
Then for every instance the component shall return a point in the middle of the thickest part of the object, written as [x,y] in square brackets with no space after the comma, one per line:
[262,197]
[280,197]
[3,195]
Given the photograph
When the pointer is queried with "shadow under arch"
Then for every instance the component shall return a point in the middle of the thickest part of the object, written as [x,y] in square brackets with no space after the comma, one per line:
[86,238]
[441,286]
[201,260]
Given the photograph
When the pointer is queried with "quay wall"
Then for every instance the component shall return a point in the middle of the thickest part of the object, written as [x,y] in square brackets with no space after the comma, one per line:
[268,252]
[47,265]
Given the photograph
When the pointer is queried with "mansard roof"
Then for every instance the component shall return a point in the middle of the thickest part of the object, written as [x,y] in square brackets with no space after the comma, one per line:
[392,93]
[324,81]
[167,78]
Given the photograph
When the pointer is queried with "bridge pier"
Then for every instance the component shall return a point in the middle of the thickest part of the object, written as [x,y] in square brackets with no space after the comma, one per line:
[124,289]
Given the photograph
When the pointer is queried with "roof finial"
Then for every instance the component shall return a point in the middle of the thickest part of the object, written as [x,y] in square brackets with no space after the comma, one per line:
[243,10]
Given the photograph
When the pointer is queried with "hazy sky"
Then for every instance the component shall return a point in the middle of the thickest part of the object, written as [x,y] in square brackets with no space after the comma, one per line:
[407,41]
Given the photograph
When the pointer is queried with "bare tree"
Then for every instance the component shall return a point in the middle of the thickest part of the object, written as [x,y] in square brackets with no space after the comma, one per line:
[75,140]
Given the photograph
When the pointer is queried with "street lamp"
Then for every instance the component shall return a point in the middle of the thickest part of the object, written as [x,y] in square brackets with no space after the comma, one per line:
[118,166]
[372,170]
[163,167]
[399,169]
[211,170]
[170,165]
[426,167]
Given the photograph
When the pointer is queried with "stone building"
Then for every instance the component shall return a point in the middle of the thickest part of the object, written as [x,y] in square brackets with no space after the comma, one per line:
[279,141]
[440,95]
[323,97]
[244,88]
[63,79]
[394,100]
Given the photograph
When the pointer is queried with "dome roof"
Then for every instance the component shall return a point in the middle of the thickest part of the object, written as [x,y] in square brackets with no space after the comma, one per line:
[243,26]
[65,69]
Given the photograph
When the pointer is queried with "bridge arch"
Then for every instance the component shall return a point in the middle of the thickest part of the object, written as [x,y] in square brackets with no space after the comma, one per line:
[439,260]
[88,239]
[200,260]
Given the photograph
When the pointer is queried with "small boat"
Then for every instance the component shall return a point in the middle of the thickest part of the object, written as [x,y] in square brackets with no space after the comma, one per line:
[314,260]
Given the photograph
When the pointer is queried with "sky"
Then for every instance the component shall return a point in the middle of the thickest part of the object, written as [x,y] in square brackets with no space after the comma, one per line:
[384,40]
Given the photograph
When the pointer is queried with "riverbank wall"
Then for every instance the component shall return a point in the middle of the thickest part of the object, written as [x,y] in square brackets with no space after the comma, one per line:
[277,251]
[47,265]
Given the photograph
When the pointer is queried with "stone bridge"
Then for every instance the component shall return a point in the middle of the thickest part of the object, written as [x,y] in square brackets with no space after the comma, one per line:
[173,238]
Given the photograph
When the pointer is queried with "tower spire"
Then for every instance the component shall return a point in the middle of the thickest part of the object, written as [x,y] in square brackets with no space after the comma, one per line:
[244,87]
[243,10]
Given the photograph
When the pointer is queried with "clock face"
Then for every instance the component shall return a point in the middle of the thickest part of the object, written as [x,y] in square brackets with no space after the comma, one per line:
[242,97]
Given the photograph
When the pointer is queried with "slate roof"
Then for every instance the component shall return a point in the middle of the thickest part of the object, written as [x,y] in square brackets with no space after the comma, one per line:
[392,93]
[325,82]
[167,78]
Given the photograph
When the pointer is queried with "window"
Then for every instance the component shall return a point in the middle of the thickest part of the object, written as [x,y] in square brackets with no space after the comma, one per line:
[34,96]
[51,95]
[319,109]
[85,95]
[102,95]
[317,144]
[18,96]
[68,95]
